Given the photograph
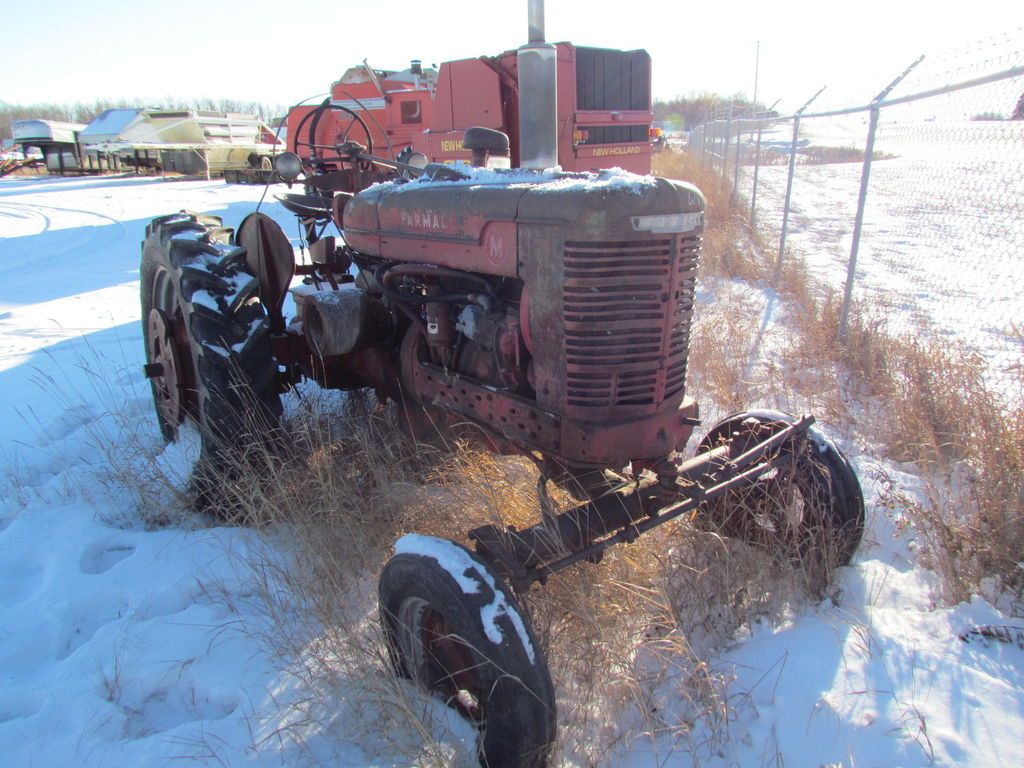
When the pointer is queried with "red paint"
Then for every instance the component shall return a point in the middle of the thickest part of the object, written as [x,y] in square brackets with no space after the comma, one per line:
[483,91]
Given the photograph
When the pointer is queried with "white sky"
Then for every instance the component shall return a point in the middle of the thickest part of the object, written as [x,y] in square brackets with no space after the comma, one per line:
[286,51]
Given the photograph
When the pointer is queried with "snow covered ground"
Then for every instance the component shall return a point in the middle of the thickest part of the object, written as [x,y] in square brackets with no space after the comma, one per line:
[124,643]
[943,236]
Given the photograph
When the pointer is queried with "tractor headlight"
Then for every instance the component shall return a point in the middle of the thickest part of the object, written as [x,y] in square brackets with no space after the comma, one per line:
[288,166]
[669,222]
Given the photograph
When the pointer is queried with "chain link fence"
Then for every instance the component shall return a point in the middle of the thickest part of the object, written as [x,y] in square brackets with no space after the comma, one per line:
[912,204]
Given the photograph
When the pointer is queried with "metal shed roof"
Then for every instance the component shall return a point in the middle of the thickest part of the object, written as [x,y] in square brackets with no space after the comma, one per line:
[47,131]
[109,125]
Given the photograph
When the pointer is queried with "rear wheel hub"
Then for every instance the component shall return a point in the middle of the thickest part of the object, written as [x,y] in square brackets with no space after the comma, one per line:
[166,370]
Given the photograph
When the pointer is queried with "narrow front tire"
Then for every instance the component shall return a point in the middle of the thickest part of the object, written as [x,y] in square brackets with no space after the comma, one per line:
[456,630]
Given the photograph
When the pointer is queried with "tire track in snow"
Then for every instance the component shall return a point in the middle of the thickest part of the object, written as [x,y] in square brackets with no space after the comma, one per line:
[94,231]
[17,211]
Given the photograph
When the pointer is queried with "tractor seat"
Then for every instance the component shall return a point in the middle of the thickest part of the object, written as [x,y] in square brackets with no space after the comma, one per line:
[305,206]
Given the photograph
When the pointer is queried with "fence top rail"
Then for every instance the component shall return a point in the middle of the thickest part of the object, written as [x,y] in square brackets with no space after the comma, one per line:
[995,77]
[1006,74]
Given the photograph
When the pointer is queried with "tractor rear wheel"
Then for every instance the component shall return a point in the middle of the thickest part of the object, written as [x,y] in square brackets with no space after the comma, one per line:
[810,511]
[206,335]
[455,630]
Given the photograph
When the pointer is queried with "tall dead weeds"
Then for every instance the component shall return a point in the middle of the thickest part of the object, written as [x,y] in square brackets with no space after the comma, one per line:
[927,399]
[345,485]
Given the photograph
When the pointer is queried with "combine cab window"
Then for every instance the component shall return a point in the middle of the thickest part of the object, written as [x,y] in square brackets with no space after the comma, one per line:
[612,79]
[412,112]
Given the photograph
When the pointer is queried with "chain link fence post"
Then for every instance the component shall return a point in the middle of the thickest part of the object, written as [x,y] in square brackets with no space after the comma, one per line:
[757,165]
[736,169]
[789,192]
[789,177]
[858,222]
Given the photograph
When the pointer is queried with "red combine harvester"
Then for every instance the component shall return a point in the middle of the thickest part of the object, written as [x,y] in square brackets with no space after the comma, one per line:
[603,109]
[550,309]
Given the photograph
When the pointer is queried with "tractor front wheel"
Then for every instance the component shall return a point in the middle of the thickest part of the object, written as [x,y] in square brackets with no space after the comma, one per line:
[455,630]
[809,510]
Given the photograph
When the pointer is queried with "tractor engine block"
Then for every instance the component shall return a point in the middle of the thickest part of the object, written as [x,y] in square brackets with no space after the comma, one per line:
[552,309]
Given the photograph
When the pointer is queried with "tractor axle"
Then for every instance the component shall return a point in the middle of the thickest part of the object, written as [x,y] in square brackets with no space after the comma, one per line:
[623,513]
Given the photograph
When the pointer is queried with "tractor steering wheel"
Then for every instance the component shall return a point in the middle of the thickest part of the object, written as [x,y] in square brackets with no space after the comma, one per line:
[341,139]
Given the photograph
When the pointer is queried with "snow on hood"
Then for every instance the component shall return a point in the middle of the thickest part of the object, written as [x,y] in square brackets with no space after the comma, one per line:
[549,180]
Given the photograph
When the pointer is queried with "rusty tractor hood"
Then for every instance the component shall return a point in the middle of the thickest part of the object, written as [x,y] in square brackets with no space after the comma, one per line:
[472,222]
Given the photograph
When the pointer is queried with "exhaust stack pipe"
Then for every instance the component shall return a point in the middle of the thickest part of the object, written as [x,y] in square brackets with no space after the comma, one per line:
[538,98]
[535,22]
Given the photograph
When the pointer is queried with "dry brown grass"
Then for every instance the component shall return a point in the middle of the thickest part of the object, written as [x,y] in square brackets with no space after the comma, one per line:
[619,636]
[927,399]
[930,401]
[722,347]
[331,497]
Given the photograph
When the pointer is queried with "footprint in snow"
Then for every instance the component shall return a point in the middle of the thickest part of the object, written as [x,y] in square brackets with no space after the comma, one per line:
[20,579]
[101,556]
[175,598]
[164,709]
[81,623]
[65,425]
[15,705]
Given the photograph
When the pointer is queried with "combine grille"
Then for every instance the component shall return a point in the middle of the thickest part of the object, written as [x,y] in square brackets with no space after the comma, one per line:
[627,309]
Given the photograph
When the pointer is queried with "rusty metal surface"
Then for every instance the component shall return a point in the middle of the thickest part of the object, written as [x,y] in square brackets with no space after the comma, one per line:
[594,444]
[269,255]
[167,368]
[607,91]
[627,321]
[584,532]
[609,318]
[508,415]
[469,228]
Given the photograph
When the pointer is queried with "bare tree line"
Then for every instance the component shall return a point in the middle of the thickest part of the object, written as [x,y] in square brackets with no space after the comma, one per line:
[683,112]
[84,112]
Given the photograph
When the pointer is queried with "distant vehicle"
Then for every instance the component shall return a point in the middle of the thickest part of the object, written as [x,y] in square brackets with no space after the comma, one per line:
[421,114]
[659,140]
[57,141]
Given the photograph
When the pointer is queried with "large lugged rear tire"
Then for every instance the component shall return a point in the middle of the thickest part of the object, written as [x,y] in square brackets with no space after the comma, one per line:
[206,334]
[811,511]
[456,630]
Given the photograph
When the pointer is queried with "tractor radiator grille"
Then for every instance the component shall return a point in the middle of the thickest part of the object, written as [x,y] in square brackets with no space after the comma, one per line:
[627,309]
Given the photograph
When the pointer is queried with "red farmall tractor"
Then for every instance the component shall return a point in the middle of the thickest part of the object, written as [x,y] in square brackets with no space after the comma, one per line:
[550,309]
